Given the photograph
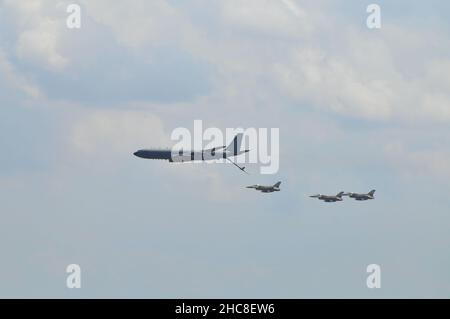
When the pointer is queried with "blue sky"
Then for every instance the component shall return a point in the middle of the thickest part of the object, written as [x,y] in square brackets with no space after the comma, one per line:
[357,109]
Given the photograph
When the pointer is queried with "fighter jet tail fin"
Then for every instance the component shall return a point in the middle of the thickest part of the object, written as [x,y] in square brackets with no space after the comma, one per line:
[235,145]
[340,194]
[372,192]
[277,184]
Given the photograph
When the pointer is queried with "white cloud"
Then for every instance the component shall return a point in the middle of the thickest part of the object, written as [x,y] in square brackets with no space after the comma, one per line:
[40,46]
[363,76]
[15,80]
[141,25]
[39,32]
[333,84]
[271,17]
[370,75]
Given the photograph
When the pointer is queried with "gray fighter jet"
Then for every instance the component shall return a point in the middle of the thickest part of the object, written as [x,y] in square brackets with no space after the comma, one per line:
[266,189]
[328,198]
[357,196]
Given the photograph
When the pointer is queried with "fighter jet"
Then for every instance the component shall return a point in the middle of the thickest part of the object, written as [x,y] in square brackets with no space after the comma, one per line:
[266,189]
[357,196]
[328,198]
[181,156]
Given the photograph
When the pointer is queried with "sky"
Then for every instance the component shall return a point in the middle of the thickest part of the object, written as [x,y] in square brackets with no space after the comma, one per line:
[357,109]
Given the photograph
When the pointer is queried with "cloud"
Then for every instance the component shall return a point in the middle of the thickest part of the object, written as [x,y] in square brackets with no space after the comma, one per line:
[358,74]
[360,77]
[335,85]
[39,32]
[138,62]
[142,25]
[13,79]
[282,18]
[40,46]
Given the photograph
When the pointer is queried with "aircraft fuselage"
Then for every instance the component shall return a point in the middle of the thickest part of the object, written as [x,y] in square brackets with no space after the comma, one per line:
[183,156]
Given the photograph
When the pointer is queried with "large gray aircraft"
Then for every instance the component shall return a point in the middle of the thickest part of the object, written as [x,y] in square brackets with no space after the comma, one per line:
[266,189]
[328,198]
[369,195]
[181,156]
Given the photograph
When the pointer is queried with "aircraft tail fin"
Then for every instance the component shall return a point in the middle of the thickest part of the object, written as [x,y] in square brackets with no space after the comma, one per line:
[277,184]
[235,145]
[372,192]
[340,194]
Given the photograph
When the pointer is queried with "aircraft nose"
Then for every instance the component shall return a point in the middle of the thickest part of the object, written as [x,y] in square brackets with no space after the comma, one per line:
[137,153]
